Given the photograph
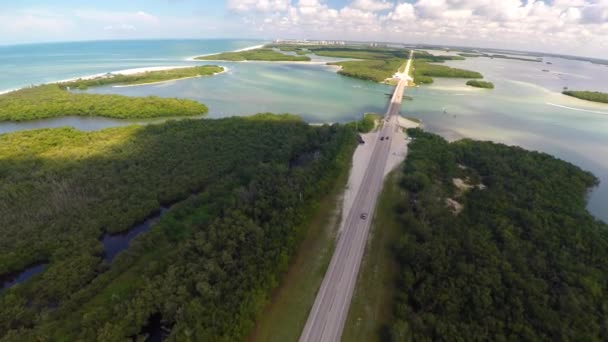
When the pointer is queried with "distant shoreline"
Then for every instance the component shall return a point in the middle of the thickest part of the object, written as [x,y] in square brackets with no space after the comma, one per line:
[167,81]
[193,58]
[136,70]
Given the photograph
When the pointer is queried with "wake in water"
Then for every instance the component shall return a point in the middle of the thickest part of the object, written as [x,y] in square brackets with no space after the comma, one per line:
[577,109]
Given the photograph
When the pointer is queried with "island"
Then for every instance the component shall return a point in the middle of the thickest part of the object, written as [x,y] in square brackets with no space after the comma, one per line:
[425,67]
[468,54]
[261,54]
[56,100]
[480,84]
[593,96]
[147,77]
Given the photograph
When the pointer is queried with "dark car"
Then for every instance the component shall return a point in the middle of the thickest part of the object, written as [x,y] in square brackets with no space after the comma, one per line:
[363,216]
[382,138]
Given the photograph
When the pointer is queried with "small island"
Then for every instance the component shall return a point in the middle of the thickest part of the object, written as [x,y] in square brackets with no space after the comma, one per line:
[147,77]
[492,56]
[56,100]
[426,67]
[593,96]
[480,84]
[262,54]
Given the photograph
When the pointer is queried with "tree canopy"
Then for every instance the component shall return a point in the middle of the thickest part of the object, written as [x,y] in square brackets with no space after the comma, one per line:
[594,96]
[496,244]
[262,54]
[240,190]
[48,101]
[144,77]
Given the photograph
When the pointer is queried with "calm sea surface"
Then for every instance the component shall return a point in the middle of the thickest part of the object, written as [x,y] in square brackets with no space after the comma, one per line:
[525,109]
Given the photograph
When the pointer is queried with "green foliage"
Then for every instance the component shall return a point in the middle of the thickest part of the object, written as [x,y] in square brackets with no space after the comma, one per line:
[367,123]
[466,54]
[377,64]
[480,84]
[470,55]
[427,57]
[263,54]
[371,70]
[274,117]
[246,188]
[290,48]
[373,53]
[144,77]
[424,70]
[49,101]
[524,260]
[594,96]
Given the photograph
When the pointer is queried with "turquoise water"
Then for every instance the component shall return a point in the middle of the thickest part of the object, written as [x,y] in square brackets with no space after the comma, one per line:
[525,109]
[23,65]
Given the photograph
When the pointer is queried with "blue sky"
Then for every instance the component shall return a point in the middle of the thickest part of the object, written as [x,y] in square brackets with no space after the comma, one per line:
[564,26]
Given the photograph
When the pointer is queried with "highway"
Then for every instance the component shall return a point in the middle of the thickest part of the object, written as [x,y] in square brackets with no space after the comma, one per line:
[328,315]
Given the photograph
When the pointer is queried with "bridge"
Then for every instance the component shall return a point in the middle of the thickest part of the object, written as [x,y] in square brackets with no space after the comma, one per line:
[328,315]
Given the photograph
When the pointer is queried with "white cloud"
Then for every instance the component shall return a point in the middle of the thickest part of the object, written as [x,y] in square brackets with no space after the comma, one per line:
[561,25]
[257,5]
[403,12]
[371,5]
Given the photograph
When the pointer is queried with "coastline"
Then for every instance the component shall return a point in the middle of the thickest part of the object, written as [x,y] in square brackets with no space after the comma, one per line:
[122,72]
[167,81]
[193,58]
[139,70]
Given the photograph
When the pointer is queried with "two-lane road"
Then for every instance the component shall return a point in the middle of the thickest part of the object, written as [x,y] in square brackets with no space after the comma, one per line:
[329,312]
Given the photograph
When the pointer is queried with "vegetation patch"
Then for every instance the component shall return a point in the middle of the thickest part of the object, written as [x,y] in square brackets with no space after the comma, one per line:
[480,84]
[523,259]
[144,77]
[263,54]
[466,54]
[367,123]
[594,96]
[244,188]
[284,317]
[425,67]
[370,70]
[48,101]
[290,48]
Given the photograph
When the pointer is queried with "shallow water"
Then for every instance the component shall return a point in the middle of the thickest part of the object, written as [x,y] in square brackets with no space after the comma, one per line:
[27,64]
[19,277]
[116,243]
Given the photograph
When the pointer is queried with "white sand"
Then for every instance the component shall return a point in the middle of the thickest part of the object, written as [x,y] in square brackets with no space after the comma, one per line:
[142,70]
[167,81]
[398,151]
[193,58]
[361,159]
[250,48]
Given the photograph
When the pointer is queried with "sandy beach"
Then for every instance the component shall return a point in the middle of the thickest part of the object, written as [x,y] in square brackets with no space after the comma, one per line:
[193,58]
[362,156]
[167,81]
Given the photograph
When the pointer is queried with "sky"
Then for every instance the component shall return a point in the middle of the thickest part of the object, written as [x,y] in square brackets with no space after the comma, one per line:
[575,27]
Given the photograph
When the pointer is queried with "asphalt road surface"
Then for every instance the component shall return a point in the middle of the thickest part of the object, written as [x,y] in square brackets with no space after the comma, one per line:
[328,315]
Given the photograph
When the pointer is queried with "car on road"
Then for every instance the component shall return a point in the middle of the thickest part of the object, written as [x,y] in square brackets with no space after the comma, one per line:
[364,216]
[381,138]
